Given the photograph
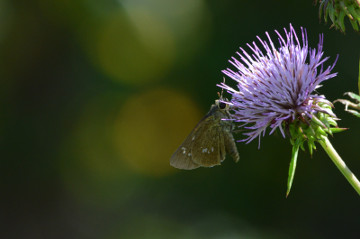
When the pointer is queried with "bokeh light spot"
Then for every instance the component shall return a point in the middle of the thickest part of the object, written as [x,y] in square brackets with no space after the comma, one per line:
[189,22]
[151,126]
[132,56]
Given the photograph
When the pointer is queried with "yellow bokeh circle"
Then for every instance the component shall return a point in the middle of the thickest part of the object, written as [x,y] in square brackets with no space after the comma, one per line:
[150,126]
[132,56]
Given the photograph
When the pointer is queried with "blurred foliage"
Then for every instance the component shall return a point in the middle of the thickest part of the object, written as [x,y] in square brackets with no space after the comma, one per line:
[348,104]
[337,10]
[354,106]
[96,95]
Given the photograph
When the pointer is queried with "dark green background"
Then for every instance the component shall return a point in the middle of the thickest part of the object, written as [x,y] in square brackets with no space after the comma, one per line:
[49,76]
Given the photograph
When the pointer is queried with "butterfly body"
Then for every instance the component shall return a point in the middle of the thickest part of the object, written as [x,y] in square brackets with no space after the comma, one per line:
[209,141]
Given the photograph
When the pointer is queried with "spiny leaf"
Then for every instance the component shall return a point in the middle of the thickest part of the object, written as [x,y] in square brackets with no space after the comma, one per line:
[353,96]
[292,167]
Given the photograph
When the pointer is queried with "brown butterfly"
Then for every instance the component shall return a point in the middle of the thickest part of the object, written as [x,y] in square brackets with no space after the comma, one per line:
[208,142]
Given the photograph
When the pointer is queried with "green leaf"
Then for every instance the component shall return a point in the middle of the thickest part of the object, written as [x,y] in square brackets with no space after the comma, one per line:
[311,145]
[354,24]
[318,122]
[353,112]
[353,96]
[338,130]
[292,167]
[341,20]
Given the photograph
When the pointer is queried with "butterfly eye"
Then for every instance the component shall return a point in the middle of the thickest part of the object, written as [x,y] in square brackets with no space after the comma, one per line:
[222,105]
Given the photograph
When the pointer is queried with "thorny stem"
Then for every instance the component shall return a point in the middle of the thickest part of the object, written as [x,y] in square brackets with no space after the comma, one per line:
[340,164]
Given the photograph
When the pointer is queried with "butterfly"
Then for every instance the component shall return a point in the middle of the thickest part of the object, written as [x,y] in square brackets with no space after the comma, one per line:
[209,142]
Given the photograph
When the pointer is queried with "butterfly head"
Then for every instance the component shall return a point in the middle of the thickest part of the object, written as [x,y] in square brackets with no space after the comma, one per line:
[222,105]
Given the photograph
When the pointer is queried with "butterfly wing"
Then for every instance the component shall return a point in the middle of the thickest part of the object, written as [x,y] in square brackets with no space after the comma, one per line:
[208,149]
[208,143]
[205,136]
[182,158]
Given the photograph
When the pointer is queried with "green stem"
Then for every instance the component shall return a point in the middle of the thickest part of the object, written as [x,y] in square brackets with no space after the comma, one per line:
[359,69]
[340,164]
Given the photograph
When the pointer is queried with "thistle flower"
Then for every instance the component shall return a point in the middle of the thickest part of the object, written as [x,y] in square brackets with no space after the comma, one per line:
[275,89]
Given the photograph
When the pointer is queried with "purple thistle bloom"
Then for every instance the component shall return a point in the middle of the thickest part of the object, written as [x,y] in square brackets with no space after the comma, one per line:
[277,86]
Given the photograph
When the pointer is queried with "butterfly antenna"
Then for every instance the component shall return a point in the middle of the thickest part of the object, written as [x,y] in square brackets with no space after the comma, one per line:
[222,90]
